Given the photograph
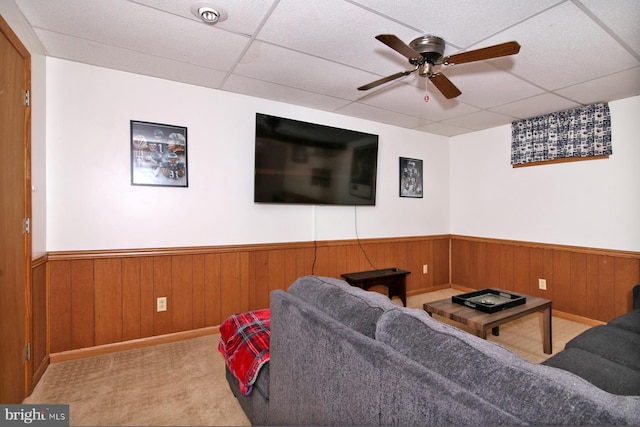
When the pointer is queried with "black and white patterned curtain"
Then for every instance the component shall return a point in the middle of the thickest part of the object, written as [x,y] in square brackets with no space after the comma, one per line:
[580,132]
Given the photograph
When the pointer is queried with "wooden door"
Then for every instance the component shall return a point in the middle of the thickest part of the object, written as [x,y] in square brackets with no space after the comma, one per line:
[15,208]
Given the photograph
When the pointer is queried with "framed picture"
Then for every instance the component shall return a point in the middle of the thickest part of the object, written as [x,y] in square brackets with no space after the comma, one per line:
[410,177]
[158,154]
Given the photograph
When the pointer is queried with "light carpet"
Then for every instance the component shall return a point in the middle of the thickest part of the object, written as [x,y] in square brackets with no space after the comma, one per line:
[176,384]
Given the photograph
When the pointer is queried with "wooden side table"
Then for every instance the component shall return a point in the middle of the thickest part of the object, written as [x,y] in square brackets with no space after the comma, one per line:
[394,279]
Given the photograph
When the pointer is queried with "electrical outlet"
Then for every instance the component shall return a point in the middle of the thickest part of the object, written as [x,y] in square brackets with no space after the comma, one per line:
[161,304]
[425,269]
[542,284]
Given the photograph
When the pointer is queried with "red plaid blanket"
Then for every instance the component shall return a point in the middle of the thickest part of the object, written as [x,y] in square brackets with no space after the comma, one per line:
[244,344]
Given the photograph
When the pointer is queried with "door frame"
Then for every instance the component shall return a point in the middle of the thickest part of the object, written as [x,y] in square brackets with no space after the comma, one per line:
[13,39]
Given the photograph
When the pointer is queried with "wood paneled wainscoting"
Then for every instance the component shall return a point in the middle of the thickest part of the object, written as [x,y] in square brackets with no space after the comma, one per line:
[106,299]
[100,298]
[592,283]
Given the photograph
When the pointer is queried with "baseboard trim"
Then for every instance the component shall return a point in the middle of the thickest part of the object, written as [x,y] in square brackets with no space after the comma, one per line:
[98,350]
[462,288]
[39,371]
[425,290]
[576,318]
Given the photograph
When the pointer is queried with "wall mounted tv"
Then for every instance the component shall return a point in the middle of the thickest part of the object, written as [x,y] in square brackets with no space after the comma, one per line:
[306,163]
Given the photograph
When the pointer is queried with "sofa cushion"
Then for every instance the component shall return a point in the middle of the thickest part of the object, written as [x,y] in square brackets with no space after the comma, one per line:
[629,321]
[611,343]
[603,373]
[500,376]
[351,306]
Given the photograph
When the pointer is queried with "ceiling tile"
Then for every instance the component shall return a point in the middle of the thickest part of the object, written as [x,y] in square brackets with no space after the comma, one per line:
[274,64]
[536,106]
[276,92]
[563,46]
[408,99]
[444,129]
[243,16]
[479,120]
[99,54]
[463,22]
[614,86]
[621,16]
[329,32]
[369,112]
[485,86]
[142,29]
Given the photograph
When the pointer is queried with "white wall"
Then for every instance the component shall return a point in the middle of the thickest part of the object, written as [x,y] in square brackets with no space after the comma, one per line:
[38,155]
[587,203]
[92,204]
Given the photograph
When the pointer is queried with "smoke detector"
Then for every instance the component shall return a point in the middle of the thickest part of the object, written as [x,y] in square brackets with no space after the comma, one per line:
[208,13]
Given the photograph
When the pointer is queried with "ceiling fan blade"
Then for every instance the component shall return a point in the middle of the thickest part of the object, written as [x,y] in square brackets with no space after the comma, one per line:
[444,85]
[398,45]
[496,51]
[385,79]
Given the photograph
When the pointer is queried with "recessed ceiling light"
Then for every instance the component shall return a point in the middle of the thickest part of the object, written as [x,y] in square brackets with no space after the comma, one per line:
[207,12]
[209,15]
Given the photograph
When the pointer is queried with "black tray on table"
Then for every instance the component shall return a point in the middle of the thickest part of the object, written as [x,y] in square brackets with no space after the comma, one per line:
[489,300]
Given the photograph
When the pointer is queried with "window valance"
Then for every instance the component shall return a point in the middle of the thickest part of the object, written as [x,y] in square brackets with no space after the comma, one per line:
[580,132]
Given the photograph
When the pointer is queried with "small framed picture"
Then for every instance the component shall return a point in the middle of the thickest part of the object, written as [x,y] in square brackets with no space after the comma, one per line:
[158,154]
[410,177]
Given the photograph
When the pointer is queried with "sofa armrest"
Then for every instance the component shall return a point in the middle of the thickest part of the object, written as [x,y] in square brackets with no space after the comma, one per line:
[636,297]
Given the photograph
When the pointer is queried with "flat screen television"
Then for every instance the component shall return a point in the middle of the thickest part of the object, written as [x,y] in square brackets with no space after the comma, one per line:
[307,163]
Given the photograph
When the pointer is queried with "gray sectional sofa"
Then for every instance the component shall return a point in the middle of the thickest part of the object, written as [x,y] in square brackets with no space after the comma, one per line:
[607,355]
[344,356]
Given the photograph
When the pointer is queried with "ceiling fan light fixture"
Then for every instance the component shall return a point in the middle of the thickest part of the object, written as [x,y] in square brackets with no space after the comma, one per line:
[424,70]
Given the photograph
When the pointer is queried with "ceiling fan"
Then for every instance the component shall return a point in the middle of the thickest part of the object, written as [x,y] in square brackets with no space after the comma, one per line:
[426,52]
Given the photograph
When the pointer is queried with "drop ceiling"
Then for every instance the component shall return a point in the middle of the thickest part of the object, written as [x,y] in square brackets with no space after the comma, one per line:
[315,54]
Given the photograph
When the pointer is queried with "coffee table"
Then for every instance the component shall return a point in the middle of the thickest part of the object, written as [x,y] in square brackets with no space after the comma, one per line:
[481,322]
